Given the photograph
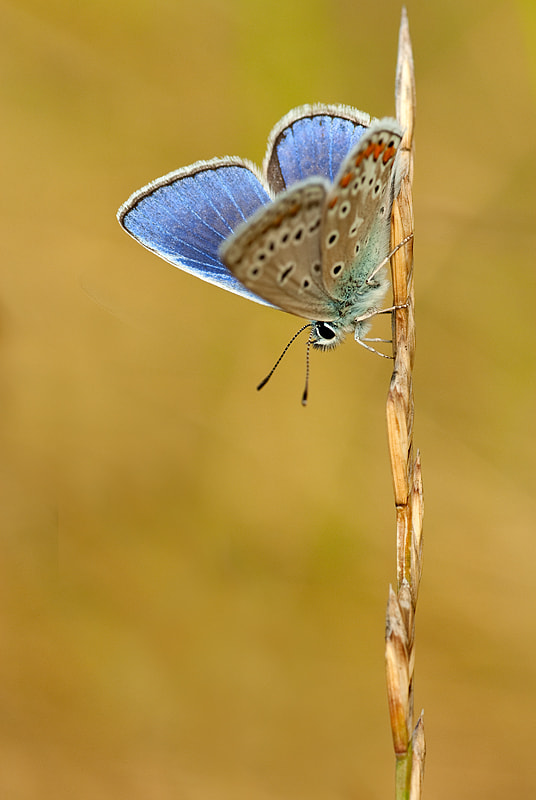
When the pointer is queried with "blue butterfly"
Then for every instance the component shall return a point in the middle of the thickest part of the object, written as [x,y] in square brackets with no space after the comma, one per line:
[310,234]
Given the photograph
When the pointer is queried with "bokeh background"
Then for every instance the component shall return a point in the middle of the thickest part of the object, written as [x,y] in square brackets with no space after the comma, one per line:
[193,575]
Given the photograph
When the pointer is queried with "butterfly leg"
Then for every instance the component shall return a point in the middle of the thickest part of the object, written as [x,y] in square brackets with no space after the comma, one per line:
[369,315]
[375,313]
[371,349]
[388,258]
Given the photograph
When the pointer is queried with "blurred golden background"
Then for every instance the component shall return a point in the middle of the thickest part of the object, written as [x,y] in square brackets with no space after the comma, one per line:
[193,574]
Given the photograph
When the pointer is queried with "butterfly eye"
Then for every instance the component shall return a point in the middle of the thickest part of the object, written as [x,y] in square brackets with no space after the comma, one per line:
[325,331]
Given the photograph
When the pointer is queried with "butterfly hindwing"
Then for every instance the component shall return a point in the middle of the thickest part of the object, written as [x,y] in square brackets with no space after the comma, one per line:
[311,141]
[186,215]
[357,213]
[276,253]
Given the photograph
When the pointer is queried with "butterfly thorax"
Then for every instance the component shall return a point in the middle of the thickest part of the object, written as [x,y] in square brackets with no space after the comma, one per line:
[357,299]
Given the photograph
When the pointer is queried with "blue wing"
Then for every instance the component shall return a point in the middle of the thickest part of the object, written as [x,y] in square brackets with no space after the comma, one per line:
[311,141]
[186,215]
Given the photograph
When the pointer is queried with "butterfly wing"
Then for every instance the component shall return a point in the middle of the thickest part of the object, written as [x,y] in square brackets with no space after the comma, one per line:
[186,215]
[355,234]
[276,253]
[310,141]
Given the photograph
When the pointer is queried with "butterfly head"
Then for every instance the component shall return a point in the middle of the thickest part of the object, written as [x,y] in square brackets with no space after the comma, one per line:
[326,335]
[355,319]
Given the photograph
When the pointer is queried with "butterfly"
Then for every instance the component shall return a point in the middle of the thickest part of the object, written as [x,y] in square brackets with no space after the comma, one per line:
[309,234]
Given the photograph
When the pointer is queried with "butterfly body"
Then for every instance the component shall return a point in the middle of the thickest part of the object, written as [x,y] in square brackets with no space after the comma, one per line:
[309,235]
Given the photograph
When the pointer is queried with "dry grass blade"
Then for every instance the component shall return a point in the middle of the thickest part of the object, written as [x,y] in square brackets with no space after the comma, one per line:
[417,766]
[406,469]
[397,673]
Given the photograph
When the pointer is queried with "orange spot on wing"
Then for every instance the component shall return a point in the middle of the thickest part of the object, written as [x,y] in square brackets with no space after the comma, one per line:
[345,180]
[389,153]
[364,154]
[377,150]
[332,203]
[275,222]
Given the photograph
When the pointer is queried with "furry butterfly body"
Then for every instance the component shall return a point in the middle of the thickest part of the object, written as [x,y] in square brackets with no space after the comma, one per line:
[309,234]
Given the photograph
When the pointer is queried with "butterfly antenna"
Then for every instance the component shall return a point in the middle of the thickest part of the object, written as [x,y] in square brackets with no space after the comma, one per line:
[307,360]
[265,381]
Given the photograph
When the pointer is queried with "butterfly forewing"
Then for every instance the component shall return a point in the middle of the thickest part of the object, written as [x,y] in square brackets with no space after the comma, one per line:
[185,216]
[276,253]
[357,213]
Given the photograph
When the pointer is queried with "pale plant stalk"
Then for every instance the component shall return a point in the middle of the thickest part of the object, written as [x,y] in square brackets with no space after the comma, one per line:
[408,738]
